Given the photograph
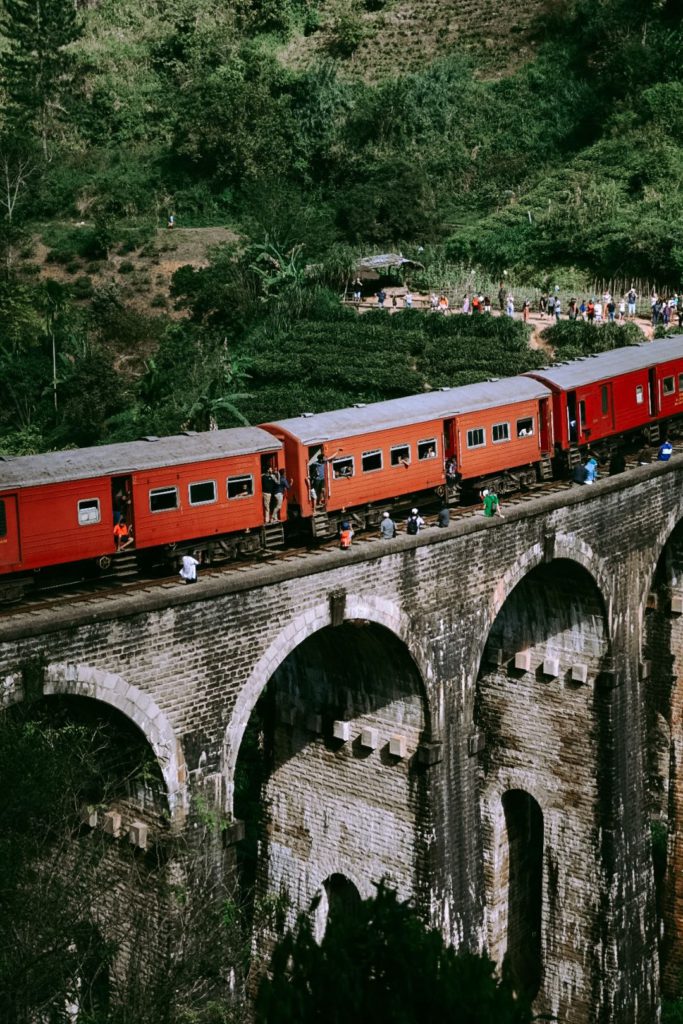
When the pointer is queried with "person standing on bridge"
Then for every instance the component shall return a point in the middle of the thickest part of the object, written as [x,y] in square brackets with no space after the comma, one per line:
[387,527]
[491,504]
[189,568]
[666,450]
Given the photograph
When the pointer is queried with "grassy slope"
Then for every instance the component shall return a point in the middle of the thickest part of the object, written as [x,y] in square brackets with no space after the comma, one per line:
[406,35]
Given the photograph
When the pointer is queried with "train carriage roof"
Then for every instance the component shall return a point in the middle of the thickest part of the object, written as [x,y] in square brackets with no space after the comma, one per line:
[133,456]
[314,428]
[590,369]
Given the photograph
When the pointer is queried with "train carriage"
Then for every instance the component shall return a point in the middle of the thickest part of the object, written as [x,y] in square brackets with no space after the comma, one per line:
[599,398]
[62,507]
[375,454]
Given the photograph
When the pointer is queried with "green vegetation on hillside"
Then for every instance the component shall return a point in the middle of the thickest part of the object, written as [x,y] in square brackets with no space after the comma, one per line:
[118,115]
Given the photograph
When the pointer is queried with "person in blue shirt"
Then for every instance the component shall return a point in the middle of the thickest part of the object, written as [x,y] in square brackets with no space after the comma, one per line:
[665,450]
[591,468]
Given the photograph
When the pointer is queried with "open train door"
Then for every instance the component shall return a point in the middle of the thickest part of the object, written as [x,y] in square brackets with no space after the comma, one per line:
[10,550]
[545,426]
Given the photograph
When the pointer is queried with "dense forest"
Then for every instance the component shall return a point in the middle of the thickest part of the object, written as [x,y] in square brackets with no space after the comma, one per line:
[285,123]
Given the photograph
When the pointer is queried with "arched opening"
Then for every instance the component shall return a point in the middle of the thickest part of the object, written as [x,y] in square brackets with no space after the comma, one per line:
[539,709]
[83,824]
[338,895]
[662,669]
[524,823]
[328,778]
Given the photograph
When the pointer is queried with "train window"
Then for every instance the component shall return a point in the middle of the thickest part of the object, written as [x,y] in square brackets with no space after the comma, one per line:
[342,468]
[525,427]
[680,382]
[372,461]
[604,397]
[240,486]
[427,449]
[476,438]
[400,454]
[203,493]
[3,520]
[639,394]
[500,432]
[163,499]
[668,386]
[88,511]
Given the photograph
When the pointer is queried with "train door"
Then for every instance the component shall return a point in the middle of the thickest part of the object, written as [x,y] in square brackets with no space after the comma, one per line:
[10,553]
[122,502]
[606,408]
[572,422]
[449,439]
[652,389]
[544,414]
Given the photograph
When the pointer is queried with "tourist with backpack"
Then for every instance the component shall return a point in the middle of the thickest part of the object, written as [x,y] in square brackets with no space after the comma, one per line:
[415,522]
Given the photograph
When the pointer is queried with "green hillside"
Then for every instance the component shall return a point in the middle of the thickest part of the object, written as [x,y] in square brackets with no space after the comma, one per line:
[541,142]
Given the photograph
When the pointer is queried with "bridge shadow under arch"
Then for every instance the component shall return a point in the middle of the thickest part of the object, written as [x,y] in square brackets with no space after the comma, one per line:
[541,704]
[329,778]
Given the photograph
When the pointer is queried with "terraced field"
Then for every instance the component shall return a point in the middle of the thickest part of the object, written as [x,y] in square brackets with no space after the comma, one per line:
[406,35]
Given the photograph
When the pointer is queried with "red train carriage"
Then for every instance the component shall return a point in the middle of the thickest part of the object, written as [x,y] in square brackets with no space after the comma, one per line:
[204,488]
[367,456]
[603,397]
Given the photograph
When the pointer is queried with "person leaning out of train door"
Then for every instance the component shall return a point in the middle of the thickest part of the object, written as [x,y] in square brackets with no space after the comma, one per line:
[281,488]
[269,482]
[666,450]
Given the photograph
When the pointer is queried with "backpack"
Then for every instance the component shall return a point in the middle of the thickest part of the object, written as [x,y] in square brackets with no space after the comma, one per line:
[579,474]
[412,525]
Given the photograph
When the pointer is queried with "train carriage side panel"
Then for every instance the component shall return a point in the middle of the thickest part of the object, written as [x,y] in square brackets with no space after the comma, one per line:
[178,503]
[64,522]
[494,439]
[369,467]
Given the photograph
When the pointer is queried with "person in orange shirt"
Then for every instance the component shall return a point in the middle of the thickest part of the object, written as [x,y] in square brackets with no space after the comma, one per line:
[123,536]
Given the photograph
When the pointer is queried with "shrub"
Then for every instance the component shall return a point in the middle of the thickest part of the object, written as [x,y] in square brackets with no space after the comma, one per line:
[82,288]
[126,267]
[348,33]
[159,301]
[311,21]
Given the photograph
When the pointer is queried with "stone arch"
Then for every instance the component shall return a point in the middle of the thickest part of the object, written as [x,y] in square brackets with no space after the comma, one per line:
[109,688]
[563,547]
[356,608]
[657,547]
[339,888]
[539,707]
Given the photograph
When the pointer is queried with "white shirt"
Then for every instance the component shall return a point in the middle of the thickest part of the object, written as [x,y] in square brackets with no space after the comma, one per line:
[189,569]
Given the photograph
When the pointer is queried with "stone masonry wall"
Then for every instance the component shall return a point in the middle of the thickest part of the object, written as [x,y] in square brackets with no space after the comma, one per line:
[189,664]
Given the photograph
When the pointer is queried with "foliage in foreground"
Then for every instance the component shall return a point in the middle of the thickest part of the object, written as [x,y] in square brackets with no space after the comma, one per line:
[378,963]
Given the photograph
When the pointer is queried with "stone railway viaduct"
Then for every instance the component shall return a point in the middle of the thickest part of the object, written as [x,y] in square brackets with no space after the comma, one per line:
[489,716]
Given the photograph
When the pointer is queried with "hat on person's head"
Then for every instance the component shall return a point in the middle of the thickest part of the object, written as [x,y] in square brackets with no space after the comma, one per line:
[413,511]
[385,514]
[484,492]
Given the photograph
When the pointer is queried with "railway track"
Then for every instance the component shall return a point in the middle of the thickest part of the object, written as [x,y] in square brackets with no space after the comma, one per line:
[83,591]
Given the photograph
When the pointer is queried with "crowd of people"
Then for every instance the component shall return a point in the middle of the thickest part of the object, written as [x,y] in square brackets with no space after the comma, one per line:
[597,309]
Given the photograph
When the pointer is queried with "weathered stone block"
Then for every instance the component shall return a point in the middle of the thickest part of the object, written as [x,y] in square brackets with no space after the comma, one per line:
[369,738]
[476,743]
[677,604]
[398,746]
[341,730]
[314,723]
[430,753]
[579,673]
[137,834]
[112,823]
[523,661]
[551,667]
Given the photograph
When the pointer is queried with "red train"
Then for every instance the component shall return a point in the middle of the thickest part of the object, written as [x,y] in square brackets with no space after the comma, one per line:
[204,492]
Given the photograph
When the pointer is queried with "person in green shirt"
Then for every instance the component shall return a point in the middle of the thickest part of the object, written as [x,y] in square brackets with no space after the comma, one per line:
[491,504]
